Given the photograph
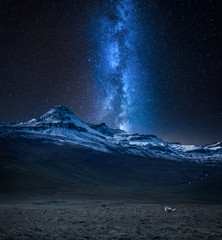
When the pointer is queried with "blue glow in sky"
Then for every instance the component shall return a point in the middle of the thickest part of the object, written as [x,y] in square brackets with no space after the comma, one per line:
[122,82]
[147,66]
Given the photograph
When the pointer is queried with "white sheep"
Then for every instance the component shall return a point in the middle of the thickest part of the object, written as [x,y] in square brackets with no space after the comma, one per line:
[169,209]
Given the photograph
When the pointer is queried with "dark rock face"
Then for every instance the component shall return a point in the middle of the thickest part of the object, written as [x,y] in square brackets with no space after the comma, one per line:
[30,166]
[60,113]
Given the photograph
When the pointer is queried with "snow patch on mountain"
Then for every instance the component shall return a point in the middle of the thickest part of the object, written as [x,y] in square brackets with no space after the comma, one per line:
[60,125]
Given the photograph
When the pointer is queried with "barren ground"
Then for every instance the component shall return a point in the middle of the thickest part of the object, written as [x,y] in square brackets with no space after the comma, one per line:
[106,220]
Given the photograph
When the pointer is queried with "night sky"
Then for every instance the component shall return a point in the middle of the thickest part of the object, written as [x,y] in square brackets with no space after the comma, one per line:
[151,67]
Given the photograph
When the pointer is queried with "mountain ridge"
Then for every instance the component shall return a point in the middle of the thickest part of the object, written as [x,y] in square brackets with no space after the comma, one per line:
[61,125]
[58,155]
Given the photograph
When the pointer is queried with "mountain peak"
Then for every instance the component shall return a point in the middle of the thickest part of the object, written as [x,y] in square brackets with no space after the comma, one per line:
[60,108]
[59,123]
[59,113]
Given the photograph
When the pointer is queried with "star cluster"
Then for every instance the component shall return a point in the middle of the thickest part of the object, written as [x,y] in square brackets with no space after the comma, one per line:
[119,73]
[151,67]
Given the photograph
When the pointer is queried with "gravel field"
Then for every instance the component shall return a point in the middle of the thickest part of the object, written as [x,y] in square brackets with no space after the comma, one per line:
[111,221]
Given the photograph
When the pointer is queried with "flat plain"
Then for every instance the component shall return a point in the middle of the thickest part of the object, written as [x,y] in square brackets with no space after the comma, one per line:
[110,220]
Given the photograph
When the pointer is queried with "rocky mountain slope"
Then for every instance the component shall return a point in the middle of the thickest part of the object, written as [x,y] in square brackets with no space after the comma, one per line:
[62,126]
[58,156]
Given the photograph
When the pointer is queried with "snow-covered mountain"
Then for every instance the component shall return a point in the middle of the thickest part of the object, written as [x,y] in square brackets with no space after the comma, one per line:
[61,126]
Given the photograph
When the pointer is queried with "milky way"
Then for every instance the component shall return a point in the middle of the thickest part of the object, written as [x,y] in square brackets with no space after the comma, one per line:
[145,66]
[119,74]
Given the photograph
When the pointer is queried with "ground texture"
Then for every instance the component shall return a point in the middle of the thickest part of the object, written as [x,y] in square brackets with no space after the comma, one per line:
[111,221]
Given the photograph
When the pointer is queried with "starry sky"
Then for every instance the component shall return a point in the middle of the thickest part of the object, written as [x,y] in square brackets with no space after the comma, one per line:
[151,67]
